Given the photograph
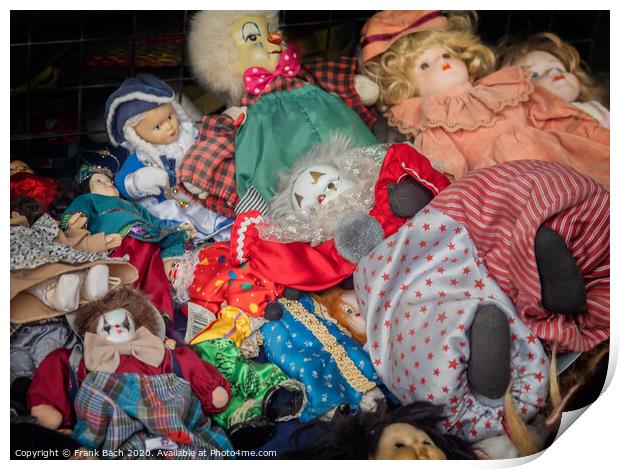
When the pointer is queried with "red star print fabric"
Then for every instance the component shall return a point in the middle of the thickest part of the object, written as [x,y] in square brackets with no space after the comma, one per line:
[419,292]
[503,206]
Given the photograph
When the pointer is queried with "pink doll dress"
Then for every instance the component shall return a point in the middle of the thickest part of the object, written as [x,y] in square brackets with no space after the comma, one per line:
[502,117]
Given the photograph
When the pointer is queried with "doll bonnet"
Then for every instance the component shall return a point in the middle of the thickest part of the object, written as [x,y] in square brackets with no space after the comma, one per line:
[136,95]
[386,27]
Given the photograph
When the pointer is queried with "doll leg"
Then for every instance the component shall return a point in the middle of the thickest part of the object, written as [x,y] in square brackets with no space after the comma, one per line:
[95,285]
[62,293]
[488,371]
[562,285]
[408,197]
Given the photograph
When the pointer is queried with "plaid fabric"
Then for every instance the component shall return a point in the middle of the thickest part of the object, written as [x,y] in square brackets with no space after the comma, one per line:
[118,412]
[337,76]
[210,164]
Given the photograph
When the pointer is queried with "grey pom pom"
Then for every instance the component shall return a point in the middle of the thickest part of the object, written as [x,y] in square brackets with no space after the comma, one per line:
[358,235]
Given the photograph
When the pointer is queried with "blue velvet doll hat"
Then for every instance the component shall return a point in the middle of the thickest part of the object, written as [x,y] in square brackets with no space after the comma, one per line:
[135,95]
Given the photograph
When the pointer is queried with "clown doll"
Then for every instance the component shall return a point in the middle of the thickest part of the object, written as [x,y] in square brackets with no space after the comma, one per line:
[150,243]
[143,116]
[556,66]
[433,73]
[280,108]
[154,392]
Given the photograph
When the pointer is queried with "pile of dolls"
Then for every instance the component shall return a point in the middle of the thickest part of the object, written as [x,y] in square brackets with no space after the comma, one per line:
[442,297]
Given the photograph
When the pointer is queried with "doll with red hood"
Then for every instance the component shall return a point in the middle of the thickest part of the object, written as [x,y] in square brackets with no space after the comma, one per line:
[280,107]
[125,374]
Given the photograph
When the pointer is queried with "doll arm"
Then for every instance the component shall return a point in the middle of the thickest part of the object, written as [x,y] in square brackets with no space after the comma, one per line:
[82,240]
[548,112]
[206,381]
[209,165]
[49,390]
[135,180]
[81,204]
[338,76]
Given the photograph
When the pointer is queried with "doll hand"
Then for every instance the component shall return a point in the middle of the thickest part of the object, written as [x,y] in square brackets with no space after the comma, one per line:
[147,181]
[367,89]
[195,190]
[113,240]
[48,416]
[237,113]
[358,235]
[77,221]
[219,397]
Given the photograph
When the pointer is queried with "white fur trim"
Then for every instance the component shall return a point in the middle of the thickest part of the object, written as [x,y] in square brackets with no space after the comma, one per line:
[136,95]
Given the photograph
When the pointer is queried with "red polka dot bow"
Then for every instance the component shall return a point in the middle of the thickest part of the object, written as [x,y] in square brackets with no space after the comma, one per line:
[259,79]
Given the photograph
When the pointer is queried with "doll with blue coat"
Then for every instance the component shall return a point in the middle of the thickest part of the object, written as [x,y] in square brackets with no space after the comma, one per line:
[143,117]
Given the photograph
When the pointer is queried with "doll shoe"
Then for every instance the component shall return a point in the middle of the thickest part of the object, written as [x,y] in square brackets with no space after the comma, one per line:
[285,401]
[251,434]
[95,285]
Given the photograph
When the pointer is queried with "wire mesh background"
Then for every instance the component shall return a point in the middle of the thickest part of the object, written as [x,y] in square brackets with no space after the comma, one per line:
[64,64]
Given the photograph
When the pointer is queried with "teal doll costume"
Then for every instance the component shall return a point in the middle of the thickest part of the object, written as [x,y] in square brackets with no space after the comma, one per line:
[145,238]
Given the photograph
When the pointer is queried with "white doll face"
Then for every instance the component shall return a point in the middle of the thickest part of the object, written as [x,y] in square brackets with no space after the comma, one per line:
[318,185]
[550,73]
[258,46]
[437,70]
[159,126]
[116,326]
[101,184]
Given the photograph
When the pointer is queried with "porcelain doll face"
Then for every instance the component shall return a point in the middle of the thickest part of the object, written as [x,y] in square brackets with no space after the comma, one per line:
[159,126]
[550,73]
[351,313]
[258,46]
[402,441]
[103,185]
[437,70]
[17,166]
[318,185]
[116,326]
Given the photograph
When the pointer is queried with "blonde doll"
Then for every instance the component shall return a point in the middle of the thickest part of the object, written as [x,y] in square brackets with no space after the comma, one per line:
[557,66]
[433,76]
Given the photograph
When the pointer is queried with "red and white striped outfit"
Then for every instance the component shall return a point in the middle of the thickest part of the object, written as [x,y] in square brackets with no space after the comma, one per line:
[503,206]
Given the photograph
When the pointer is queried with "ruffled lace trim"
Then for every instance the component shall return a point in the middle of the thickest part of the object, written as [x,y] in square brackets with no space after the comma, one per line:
[476,107]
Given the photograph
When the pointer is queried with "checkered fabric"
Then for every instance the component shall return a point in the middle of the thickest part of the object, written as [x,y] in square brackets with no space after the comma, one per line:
[337,76]
[210,164]
[118,412]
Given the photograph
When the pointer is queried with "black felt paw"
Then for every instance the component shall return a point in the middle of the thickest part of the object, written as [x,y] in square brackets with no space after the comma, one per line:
[273,311]
[488,371]
[563,289]
[407,197]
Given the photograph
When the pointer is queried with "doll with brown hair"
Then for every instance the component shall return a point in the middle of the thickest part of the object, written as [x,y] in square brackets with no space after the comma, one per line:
[342,306]
[436,77]
[557,66]
[126,365]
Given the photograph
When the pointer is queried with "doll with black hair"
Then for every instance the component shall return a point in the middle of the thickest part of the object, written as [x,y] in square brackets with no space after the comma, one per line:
[149,241]
[411,432]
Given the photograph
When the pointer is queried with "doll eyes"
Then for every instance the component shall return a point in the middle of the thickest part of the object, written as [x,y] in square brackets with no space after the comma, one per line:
[535,76]
[445,55]
[169,117]
[250,32]
[424,66]
[157,127]
[331,186]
